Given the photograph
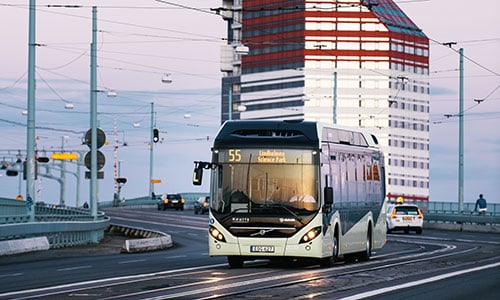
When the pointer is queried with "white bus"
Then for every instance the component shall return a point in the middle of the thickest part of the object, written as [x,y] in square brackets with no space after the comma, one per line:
[294,189]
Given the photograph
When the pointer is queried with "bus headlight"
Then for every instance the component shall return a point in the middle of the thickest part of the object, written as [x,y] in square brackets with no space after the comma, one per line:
[216,234]
[310,235]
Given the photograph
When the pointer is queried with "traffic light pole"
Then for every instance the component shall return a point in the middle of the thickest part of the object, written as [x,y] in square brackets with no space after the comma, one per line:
[93,117]
[151,143]
[461,136]
[30,134]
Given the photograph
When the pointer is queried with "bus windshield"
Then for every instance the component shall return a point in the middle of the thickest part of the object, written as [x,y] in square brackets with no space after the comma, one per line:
[266,181]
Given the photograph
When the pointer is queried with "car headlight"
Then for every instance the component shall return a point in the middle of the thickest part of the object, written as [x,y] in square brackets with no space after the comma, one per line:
[310,235]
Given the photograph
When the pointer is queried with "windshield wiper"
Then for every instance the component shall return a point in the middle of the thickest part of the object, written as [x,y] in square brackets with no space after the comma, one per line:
[285,207]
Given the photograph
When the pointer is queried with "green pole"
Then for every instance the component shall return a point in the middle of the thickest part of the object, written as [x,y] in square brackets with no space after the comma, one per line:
[63,176]
[461,136]
[30,136]
[93,116]
[151,143]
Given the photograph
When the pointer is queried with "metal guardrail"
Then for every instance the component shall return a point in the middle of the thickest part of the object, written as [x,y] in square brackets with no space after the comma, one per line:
[63,226]
[447,212]
[190,198]
[462,218]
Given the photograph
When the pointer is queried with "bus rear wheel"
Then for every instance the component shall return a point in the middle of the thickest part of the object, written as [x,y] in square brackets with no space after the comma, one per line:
[235,261]
[365,255]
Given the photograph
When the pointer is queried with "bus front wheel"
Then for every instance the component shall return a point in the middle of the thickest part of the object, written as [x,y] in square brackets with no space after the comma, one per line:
[235,261]
[329,261]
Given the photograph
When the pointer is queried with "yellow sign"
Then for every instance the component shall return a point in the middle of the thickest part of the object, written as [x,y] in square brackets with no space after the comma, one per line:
[64,156]
[155,181]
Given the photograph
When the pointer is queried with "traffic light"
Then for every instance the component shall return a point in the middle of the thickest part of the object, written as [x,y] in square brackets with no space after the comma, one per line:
[156,135]
[12,173]
[121,180]
[43,159]
[101,159]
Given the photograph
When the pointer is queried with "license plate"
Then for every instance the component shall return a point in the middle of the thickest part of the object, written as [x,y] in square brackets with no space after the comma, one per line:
[175,201]
[262,249]
[407,218]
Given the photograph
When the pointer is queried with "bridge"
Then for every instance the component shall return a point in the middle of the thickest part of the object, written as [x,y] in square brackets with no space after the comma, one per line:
[64,226]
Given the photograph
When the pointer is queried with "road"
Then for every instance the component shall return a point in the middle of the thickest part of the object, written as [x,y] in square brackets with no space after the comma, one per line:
[440,264]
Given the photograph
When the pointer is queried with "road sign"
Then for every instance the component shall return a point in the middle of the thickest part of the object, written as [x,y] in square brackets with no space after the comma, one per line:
[100,175]
[64,156]
[101,138]
[153,181]
[101,160]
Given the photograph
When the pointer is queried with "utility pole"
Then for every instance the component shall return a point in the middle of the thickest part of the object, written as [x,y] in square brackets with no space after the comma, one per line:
[63,176]
[115,164]
[151,143]
[461,136]
[93,118]
[30,136]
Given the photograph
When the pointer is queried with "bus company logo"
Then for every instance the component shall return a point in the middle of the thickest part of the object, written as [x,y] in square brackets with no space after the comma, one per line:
[283,220]
[240,220]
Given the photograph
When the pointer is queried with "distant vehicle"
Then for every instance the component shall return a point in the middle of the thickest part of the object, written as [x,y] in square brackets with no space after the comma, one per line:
[201,205]
[405,217]
[171,201]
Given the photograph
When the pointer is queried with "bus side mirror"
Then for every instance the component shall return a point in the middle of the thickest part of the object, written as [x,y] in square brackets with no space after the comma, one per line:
[197,175]
[328,195]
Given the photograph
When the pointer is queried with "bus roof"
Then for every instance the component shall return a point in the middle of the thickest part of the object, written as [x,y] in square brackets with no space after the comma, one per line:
[267,132]
[300,134]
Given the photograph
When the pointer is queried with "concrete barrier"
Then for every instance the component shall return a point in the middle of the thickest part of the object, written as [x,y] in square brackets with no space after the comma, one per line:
[24,245]
[142,240]
[147,244]
[463,227]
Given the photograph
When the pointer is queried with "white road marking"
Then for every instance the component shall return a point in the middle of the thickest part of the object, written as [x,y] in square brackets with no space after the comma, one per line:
[175,256]
[131,261]
[74,268]
[11,275]
[47,291]
[418,282]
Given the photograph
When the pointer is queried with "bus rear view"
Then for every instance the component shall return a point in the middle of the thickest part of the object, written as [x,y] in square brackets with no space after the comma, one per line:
[272,194]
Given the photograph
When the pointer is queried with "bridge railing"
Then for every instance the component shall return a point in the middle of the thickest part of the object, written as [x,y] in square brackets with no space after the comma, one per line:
[448,212]
[63,226]
[69,226]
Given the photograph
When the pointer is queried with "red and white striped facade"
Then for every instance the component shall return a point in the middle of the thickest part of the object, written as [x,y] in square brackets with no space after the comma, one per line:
[354,63]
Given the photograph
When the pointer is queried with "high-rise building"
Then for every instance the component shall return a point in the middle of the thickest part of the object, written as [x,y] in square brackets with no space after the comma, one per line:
[350,62]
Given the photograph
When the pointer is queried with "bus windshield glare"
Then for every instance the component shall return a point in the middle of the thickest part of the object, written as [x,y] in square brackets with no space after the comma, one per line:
[266,181]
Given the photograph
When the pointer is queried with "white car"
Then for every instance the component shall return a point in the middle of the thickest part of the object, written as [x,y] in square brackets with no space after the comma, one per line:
[404,217]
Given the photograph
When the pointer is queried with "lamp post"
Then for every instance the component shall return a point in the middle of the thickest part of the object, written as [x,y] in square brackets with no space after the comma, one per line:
[461,135]
[93,117]
[30,136]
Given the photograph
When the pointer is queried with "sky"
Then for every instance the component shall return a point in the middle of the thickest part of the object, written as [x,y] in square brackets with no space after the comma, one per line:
[140,42]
